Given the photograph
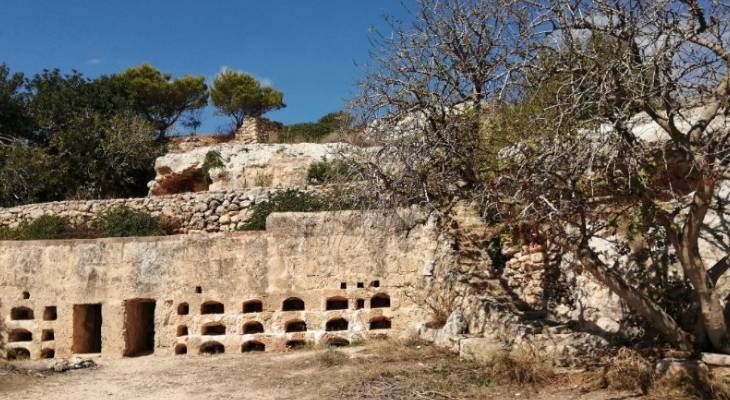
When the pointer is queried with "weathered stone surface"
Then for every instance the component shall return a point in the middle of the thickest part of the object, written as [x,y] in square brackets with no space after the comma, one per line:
[718,359]
[564,348]
[257,130]
[188,210]
[481,349]
[310,256]
[72,363]
[245,166]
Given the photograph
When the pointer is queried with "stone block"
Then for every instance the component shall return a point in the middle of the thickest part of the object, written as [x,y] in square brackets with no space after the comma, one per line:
[717,359]
[481,349]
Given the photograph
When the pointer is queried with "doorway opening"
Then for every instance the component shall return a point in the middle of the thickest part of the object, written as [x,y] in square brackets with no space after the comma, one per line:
[139,327]
[87,328]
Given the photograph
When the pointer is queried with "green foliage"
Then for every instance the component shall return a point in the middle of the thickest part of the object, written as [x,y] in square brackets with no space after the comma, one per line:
[123,221]
[116,222]
[81,139]
[212,160]
[326,171]
[284,201]
[14,118]
[314,132]
[240,95]
[42,228]
[160,99]
[29,174]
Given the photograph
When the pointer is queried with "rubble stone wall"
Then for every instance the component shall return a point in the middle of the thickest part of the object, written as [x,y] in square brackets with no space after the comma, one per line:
[218,211]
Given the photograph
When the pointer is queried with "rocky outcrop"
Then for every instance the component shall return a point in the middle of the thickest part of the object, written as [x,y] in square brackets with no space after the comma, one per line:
[244,166]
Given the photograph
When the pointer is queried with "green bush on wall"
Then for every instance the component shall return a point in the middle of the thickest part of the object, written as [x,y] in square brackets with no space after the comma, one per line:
[285,201]
[326,171]
[42,228]
[123,221]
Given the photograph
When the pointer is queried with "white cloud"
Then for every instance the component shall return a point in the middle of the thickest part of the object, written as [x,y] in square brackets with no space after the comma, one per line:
[94,61]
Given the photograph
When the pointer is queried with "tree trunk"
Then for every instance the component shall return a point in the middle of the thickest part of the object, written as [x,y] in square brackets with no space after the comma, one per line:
[686,244]
[636,300]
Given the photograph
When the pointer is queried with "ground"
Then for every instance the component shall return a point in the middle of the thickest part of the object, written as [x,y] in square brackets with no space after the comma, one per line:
[385,371]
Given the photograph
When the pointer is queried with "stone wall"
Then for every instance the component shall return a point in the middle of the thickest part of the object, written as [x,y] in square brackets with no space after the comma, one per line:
[524,273]
[312,278]
[218,211]
[257,130]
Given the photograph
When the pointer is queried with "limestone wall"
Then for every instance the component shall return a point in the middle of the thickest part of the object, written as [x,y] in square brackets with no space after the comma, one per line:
[198,292]
[217,211]
[244,166]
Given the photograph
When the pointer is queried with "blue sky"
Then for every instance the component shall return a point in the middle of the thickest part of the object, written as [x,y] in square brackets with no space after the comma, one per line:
[306,48]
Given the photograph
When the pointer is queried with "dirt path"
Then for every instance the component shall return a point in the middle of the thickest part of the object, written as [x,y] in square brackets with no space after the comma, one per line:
[298,375]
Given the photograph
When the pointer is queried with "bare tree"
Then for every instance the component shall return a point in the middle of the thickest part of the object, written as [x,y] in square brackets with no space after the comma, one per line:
[633,142]
[650,156]
[424,88]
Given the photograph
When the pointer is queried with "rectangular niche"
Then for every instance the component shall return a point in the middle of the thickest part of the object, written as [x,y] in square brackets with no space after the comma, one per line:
[139,327]
[86,328]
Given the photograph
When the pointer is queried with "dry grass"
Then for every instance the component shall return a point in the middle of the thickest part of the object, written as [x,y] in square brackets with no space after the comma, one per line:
[263,179]
[628,370]
[704,386]
[331,358]
[522,367]
[395,350]
[412,369]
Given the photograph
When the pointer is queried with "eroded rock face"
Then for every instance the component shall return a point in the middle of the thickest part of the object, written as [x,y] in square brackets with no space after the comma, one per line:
[245,166]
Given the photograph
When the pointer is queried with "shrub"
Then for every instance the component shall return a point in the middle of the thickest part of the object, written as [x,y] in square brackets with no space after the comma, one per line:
[285,201]
[628,370]
[212,160]
[41,228]
[315,132]
[326,171]
[123,221]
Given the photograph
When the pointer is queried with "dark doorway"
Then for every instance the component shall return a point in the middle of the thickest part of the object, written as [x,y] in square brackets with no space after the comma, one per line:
[139,325]
[181,349]
[293,304]
[296,344]
[212,348]
[253,346]
[253,306]
[380,323]
[18,354]
[336,303]
[21,313]
[380,300]
[50,313]
[87,329]
[212,307]
[337,342]
[20,335]
[252,327]
[337,324]
[48,353]
[296,326]
[214,329]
